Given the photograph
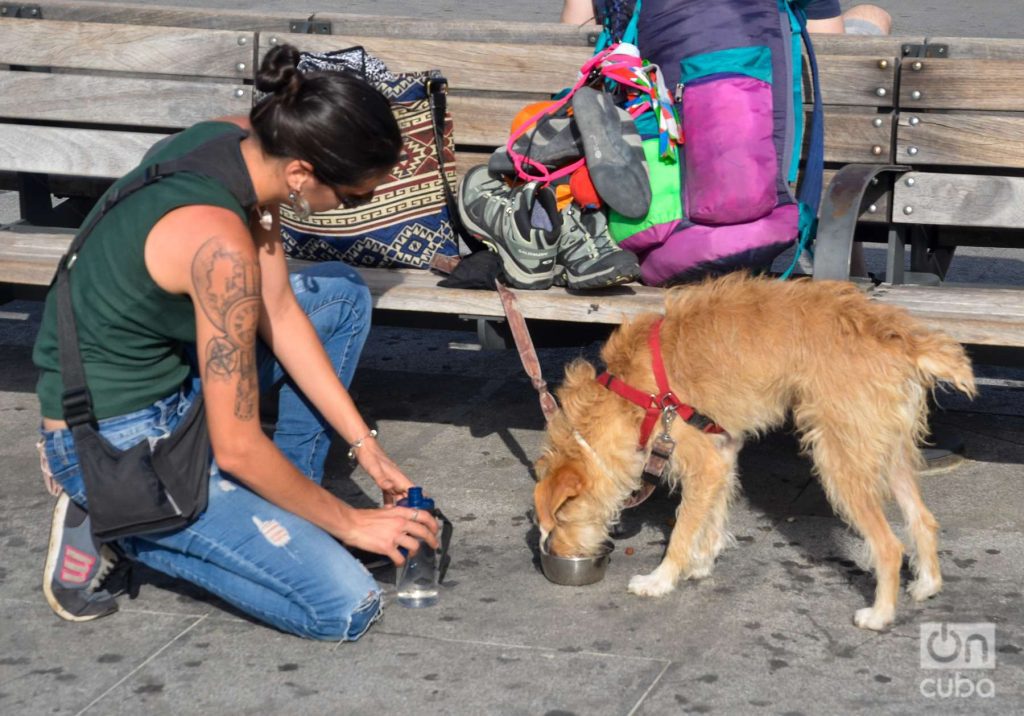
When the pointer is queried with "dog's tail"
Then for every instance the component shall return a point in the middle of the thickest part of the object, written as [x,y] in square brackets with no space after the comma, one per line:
[940,358]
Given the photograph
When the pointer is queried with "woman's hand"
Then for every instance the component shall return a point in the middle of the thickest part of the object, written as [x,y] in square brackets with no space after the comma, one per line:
[384,530]
[389,478]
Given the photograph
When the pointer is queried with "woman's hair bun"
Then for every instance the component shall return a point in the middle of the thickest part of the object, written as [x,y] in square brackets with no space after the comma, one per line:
[279,69]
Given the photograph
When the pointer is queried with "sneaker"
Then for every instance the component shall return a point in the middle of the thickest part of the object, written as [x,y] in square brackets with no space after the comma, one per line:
[614,152]
[588,256]
[521,224]
[76,564]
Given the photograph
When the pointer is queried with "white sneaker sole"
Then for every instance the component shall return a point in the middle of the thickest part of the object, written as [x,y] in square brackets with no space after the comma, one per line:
[60,511]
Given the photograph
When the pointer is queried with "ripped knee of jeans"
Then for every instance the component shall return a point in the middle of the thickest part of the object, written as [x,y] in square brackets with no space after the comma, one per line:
[363,616]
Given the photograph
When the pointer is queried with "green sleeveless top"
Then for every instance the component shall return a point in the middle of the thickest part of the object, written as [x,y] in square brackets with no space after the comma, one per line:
[131,332]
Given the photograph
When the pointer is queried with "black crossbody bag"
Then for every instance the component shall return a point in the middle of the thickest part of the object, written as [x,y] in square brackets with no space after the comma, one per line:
[146,488]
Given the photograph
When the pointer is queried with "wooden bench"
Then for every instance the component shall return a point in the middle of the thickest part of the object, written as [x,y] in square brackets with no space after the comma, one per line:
[957,180]
[90,87]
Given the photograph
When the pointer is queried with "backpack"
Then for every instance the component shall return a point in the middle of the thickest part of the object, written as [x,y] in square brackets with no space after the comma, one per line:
[724,202]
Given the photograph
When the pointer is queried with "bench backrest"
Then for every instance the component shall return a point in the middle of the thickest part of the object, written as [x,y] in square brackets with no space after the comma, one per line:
[962,115]
[144,81]
[90,98]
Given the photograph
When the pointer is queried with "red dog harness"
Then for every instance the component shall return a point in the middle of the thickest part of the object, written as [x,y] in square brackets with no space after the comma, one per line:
[655,405]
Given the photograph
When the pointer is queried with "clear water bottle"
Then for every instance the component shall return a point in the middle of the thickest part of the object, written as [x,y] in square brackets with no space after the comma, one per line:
[417,578]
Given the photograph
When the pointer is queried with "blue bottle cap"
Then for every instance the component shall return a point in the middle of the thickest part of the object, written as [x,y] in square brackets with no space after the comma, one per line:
[415,496]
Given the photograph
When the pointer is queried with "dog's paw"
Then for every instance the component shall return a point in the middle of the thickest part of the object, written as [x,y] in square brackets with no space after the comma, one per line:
[656,584]
[871,618]
[923,587]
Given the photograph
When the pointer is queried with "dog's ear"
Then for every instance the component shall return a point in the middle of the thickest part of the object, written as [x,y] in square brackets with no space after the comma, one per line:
[551,492]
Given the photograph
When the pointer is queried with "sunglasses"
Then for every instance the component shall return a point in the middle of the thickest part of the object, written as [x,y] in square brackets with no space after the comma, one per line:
[348,201]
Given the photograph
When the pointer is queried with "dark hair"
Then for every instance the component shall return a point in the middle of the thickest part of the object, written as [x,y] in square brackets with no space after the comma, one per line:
[335,121]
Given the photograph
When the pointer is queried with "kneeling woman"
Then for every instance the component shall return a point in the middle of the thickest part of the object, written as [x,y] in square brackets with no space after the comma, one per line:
[182,287]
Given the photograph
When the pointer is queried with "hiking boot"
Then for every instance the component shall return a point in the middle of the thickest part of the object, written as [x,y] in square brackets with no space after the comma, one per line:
[587,255]
[521,224]
[76,564]
[614,152]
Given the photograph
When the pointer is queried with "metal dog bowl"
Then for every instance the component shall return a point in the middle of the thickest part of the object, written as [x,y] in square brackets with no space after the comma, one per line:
[576,571]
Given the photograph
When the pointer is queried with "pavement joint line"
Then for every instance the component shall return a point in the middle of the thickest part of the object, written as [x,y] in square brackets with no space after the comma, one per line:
[138,668]
[151,612]
[527,647]
[645,694]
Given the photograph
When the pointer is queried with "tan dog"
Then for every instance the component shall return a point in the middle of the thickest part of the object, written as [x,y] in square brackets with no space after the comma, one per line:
[747,352]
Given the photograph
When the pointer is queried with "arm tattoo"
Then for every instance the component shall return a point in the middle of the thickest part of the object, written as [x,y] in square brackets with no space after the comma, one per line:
[228,287]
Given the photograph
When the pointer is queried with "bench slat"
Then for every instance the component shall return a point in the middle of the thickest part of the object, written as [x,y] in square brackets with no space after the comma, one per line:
[960,200]
[375,25]
[981,48]
[849,136]
[117,100]
[127,48]
[976,85]
[32,258]
[982,140]
[507,67]
[984,316]
[80,152]
[852,80]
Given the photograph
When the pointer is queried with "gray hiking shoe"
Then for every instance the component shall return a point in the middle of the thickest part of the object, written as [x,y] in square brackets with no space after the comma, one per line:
[587,255]
[76,565]
[521,224]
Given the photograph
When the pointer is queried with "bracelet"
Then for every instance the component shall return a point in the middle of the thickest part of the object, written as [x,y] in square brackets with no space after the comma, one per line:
[359,443]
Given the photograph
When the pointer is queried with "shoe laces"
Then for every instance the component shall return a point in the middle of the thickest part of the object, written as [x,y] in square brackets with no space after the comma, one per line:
[108,560]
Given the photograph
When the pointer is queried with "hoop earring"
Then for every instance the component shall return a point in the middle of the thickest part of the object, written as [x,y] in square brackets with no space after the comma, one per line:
[300,206]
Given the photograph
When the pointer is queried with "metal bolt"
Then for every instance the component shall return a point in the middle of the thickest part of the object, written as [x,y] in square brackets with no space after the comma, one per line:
[912,151]
[916,94]
[240,67]
[914,121]
[874,181]
[941,50]
[911,181]
[877,121]
[876,150]
[33,12]
[243,41]
[883,64]
[274,40]
[908,210]
[239,92]
[881,92]
[916,66]
[873,209]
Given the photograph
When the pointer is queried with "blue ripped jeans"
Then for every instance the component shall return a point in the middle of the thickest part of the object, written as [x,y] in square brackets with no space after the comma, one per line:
[262,559]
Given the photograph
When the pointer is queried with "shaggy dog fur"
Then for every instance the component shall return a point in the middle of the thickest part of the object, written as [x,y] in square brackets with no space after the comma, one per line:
[854,375]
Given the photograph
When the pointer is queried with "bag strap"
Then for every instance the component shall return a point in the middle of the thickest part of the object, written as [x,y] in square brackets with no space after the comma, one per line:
[217,159]
[809,193]
[437,97]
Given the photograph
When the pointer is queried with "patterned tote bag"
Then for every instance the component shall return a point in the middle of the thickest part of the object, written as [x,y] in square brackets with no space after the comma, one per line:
[409,222]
